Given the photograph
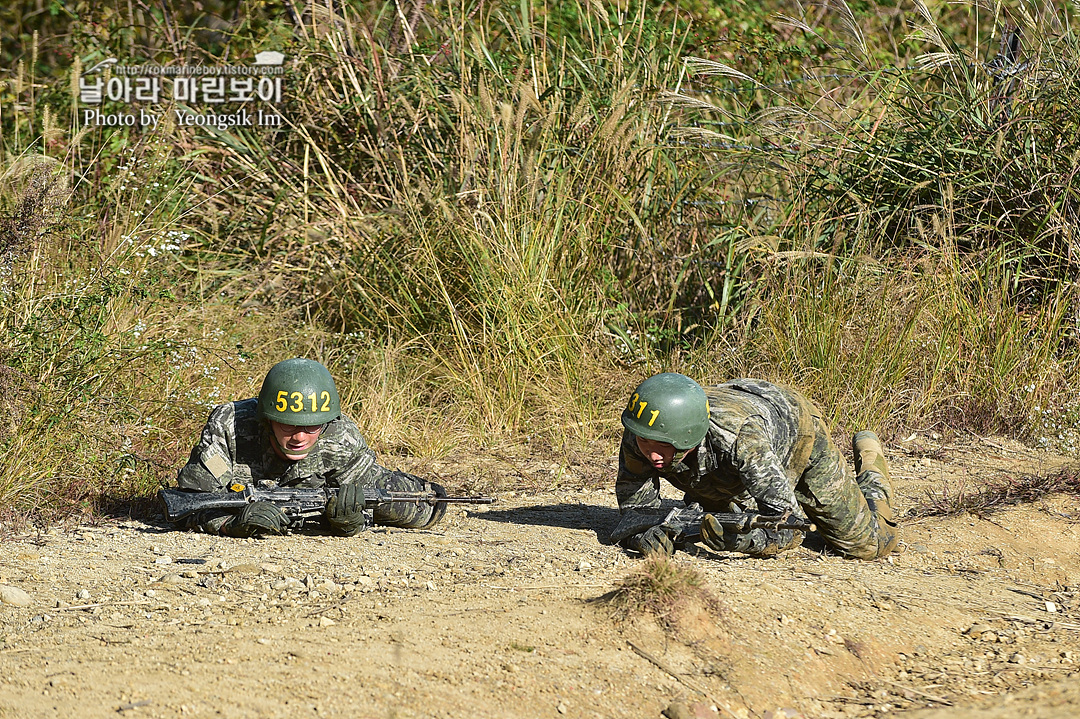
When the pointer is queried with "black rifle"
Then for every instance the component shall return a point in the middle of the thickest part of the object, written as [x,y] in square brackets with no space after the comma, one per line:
[298,503]
[683,524]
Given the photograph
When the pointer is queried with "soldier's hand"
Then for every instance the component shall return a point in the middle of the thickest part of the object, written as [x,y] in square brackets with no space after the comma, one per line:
[715,537]
[772,542]
[652,541]
[255,519]
[345,512]
[757,542]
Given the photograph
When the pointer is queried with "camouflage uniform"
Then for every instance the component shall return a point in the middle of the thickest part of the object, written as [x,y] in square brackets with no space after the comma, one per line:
[768,450]
[235,446]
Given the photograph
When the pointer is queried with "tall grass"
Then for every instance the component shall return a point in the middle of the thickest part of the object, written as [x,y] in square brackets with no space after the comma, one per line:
[871,152]
[500,201]
[917,225]
[101,364]
[489,221]
[935,344]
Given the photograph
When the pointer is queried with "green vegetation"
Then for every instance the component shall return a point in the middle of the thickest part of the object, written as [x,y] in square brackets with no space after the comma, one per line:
[491,220]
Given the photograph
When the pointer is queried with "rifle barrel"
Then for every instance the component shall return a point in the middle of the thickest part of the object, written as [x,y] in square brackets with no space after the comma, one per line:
[406,497]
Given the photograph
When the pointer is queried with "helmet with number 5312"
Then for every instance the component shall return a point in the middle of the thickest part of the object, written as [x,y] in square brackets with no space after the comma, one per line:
[298,392]
[670,408]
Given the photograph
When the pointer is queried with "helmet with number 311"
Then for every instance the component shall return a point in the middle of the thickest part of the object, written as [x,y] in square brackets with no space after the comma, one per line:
[298,392]
[670,408]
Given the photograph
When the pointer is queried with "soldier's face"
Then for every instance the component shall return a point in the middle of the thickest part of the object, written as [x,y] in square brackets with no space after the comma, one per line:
[294,441]
[659,454]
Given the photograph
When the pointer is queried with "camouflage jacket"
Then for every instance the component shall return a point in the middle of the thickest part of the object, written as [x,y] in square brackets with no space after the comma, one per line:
[758,445]
[236,447]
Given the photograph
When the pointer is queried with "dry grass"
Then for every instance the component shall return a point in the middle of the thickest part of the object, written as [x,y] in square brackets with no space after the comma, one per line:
[36,188]
[488,234]
[999,493]
[669,591]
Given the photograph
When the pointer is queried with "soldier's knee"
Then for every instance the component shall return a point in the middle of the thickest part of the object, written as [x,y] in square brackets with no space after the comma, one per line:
[880,543]
[877,540]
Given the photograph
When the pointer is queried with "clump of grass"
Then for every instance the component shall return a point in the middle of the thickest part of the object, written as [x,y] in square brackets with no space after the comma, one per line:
[875,149]
[662,588]
[999,493]
[36,188]
[508,190]
[18,391]
[107,368]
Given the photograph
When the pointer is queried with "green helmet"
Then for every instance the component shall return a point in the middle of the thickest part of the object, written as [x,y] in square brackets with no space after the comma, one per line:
[298,392]
[670,408]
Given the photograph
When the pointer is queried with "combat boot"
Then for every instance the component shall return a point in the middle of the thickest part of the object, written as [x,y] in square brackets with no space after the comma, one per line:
[871,469]
[872,476]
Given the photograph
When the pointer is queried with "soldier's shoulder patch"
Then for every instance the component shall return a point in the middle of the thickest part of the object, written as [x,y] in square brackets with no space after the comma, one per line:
[216,464]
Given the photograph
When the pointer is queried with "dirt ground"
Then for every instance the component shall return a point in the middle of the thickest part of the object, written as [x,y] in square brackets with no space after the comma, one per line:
[500,613]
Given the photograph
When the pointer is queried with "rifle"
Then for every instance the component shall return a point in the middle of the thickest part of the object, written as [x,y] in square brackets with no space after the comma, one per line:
[683,524]
[298,503]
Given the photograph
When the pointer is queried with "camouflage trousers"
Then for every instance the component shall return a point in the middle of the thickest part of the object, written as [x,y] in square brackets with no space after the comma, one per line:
[853,513]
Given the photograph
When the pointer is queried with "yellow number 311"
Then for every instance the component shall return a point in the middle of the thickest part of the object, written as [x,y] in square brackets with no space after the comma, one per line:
[635,403]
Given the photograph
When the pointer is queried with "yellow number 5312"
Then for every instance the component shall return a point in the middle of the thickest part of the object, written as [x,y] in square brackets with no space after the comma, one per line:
[297,398]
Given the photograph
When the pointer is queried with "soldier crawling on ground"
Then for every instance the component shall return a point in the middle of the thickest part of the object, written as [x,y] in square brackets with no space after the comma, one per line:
[294,435]
[749,445]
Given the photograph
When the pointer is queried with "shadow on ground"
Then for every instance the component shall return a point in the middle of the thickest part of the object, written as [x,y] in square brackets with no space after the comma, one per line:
[600,520]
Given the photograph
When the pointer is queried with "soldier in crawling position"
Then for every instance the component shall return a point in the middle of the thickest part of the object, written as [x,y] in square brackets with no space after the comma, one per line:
[294,435]
[750,445]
